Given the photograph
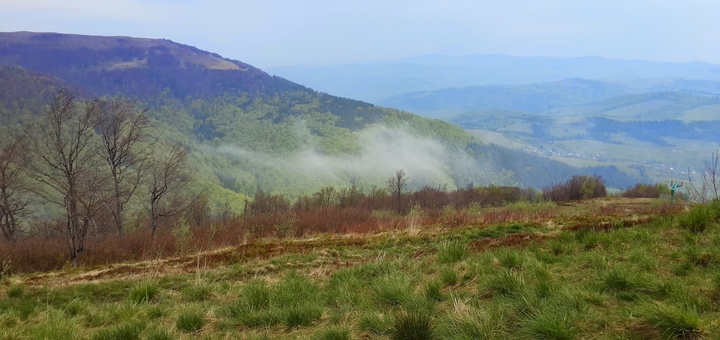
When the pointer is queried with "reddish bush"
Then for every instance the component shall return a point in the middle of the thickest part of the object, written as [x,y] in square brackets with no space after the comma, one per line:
[576,188]
[646,191]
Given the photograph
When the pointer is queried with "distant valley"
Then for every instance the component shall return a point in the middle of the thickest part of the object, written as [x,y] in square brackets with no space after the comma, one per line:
[655,120]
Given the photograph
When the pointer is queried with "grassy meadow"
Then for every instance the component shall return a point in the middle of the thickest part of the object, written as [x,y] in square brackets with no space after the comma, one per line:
[610,268]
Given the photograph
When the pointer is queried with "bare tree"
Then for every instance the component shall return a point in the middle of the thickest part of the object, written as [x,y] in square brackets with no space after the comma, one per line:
[396,185]
[167,174]
[11,187]
[123,130]
[709,187]
[63,157]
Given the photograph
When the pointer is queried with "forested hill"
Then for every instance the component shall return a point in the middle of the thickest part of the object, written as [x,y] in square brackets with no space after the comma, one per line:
[155,69]
[250,131]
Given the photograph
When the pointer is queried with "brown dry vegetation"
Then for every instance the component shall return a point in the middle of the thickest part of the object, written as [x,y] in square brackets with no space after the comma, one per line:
[260,237]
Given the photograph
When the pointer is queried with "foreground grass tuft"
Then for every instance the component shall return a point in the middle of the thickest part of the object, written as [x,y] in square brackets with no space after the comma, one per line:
[333,333]
[452,251]
[129,331]
[697,219]
[672,320]
[143,292]
[190,321]
[413,326]
[15,292]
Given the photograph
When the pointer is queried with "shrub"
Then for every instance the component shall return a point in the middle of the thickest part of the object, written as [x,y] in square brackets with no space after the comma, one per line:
[413,326]
[646,191]
[576,188]
[190,321]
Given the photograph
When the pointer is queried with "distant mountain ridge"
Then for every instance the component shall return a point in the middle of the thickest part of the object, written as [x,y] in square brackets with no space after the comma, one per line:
[534,98]
[377,81]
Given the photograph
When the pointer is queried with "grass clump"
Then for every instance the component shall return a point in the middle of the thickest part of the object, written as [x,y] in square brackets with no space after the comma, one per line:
[130,331]
[196,293]
[159,334]
[393,289]
[301,315]
[333,333]
[256,295]
[413,326]
[15,292]
[449,276]
[618,280]
[190,321]
[506,282]
[510,259]
[672,320]
[549,325]
[466,325]
[143,293]
[452,251]
[375,323]
[697,219]
[55,326]
[433,291]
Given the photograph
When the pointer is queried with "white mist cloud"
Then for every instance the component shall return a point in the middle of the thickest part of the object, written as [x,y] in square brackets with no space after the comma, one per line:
[384,150]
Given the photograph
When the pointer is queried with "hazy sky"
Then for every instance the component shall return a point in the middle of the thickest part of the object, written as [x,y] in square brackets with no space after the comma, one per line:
[285,32]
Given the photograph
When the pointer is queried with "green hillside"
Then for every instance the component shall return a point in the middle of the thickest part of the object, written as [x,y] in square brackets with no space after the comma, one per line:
[249,131]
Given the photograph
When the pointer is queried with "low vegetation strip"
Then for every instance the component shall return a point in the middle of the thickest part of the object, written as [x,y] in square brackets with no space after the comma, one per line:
[539,280]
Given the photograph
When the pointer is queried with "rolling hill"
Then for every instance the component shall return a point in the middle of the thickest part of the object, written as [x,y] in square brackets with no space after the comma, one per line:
[251,131]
